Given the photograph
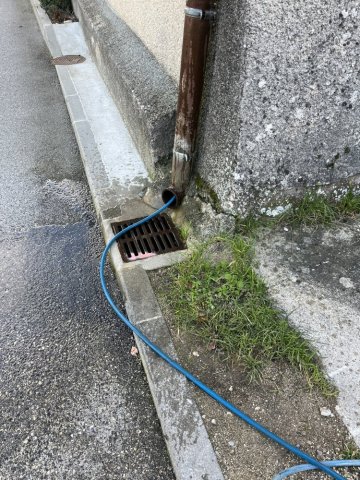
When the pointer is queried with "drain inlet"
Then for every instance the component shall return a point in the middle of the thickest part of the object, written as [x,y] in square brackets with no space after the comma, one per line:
[156,237]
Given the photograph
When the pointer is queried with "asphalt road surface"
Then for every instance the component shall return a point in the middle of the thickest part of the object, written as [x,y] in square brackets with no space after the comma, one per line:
[74,404]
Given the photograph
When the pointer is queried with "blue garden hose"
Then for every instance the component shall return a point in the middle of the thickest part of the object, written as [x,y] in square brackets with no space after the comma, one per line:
[304,468]
[323,466]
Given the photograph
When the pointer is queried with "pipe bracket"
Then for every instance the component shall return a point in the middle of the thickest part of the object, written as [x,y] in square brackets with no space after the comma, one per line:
[181,157]
[200,14]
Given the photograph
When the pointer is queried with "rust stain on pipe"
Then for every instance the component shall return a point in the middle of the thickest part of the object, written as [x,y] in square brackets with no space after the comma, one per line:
[193,62]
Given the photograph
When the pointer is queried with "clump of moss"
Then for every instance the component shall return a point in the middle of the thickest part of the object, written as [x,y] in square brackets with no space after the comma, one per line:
[205,191]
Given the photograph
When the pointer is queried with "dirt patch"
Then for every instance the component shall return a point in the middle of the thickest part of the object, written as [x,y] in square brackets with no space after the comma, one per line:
[59,16]
[282,402]
[59,11]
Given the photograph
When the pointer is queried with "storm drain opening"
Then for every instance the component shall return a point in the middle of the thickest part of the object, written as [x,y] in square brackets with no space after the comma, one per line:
[155,237]
[68,60]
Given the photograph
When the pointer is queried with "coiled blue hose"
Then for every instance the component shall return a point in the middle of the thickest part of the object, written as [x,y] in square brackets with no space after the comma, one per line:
[257,426]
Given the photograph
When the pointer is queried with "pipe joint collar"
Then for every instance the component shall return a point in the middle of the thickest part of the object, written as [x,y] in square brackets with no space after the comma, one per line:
[199,14]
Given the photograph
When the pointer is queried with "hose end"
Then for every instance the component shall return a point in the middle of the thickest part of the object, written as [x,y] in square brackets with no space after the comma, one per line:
[169,193]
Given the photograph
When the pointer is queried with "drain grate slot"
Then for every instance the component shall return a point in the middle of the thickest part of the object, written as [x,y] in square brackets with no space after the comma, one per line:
[155,237]
[68,60]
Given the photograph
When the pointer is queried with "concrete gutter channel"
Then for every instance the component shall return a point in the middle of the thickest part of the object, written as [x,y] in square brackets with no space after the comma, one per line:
[117,179]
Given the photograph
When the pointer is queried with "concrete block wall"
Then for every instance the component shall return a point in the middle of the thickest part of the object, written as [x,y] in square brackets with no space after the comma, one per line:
[144,92]
[281,104]
[282,101]
[159,25]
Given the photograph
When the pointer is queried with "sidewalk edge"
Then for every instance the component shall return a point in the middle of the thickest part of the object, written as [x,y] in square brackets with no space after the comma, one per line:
[190,450]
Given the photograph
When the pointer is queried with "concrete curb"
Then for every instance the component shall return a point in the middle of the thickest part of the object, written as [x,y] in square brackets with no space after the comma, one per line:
[190,450]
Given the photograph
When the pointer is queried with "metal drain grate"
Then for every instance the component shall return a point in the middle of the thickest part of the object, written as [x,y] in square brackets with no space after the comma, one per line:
[155,237]
[68,60]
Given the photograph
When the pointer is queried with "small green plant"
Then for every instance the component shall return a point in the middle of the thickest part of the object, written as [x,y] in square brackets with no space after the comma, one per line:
[312,210]
[350,452]
[217,294]
[349,205]
[185,230]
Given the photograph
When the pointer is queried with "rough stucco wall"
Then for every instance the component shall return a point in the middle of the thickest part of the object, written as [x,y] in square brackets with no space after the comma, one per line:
[159,24]
[283,99]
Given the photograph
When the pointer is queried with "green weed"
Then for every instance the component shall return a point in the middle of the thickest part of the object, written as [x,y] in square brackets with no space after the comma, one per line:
[217,294]
[350,452]
[185,230]
[312,210]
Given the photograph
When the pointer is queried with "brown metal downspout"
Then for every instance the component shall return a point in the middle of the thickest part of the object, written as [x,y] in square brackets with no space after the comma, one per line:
[198,17]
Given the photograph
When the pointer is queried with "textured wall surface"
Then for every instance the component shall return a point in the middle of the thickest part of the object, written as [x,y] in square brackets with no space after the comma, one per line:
[159,24]
[143,91]
[282,99]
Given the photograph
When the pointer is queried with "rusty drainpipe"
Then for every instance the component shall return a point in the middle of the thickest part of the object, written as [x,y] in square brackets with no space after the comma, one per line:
[198,17]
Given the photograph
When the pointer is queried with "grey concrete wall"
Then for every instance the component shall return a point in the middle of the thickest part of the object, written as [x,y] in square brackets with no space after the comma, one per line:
[281,104]
[159,25]
[282,100]
[143,91]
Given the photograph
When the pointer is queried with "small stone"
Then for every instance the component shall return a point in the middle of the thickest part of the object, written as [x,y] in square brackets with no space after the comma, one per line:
[213,421]
[326,412]
[196,354]
[231,444]
[299,113]
[286,229]
[346,282]
[257,409]
[269,128]
[262,83]
[231,388]
[134,351]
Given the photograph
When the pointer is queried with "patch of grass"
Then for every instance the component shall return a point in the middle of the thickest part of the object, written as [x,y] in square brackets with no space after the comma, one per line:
[217,294]
[350,452]
[349,205]
[313,209]
[185,230]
